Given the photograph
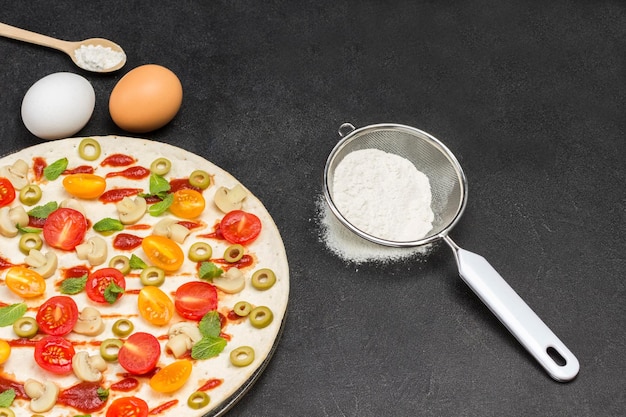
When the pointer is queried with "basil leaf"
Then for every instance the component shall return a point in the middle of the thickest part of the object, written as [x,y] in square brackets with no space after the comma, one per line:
[54,170]
[11,313]
[159,208]
[208,271]
[7,397]
[112,292]
[158,185]
[208,347]
[108,225]
[42,212]
[136,262]
[210,325]
[73,285]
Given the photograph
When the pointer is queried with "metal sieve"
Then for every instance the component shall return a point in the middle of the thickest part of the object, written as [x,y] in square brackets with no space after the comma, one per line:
[449,197]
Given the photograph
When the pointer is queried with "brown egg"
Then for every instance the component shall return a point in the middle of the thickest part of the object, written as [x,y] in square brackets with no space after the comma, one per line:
[145,99]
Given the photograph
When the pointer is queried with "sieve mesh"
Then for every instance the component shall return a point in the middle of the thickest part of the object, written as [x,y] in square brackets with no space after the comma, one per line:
[447,180]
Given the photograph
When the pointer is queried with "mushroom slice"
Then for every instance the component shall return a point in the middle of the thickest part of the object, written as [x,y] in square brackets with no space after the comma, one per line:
[11,218]
[170,228]
[182,337]
[131,211]
[231,282]
[43,395]
[16,173]
[94,250]
[89,322]
[230,199]
[74,205]
[88,367]
[45,265]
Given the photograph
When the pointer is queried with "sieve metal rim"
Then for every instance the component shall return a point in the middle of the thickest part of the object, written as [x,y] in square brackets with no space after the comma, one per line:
[348,134]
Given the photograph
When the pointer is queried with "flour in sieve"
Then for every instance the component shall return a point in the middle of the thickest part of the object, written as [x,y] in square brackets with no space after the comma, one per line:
[383,194]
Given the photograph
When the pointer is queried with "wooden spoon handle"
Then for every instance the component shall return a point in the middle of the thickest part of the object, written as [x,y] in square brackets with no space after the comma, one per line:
[36,38]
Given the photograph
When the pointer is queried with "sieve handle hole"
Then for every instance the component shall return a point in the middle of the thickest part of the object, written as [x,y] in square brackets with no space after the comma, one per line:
[556,356]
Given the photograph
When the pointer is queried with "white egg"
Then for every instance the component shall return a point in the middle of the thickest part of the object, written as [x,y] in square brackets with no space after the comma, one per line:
[58,105]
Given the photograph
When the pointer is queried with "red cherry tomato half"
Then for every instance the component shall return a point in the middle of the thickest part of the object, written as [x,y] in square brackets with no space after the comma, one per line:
[7,192]
[64,229]
[240,227]
[128,407]
[98,282]
[58,315]
[194,299]
[54,354]
[140,353]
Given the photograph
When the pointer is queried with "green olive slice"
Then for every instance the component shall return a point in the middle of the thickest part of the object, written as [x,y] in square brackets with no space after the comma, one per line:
[261,317]
[200,179]
[6,412]
[152,275]
[30,195]
[26,327]
[123,327]
[200,251]
[89,149]
[263,279]
[198,399]
[234,253]
[30,241]
[121,263]
[242,356]
[109,349]
[161,166]
[242,308]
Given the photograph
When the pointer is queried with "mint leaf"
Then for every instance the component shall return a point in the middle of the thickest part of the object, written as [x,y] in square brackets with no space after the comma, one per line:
[54,170]
[208,271]
[159,208]
[208,347]
[7,397]
[11,313]
[25,230]
[42,212]
[108,225]
[210,325]
[136,262]
[103,393]
[73,285]
[158,185]
[112,292]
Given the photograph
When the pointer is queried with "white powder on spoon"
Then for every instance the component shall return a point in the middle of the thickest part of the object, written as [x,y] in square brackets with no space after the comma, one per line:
[382,194]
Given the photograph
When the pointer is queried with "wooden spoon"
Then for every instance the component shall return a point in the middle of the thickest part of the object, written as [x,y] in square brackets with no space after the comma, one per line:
[82,52]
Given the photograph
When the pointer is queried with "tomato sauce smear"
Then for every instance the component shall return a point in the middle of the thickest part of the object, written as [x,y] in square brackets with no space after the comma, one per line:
[126,241]
[83,397]
[118,194]
[132,173]
[162,407]
[118,160]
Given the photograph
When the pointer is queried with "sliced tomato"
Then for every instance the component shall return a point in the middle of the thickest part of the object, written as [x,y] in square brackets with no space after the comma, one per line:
[194,299]
[25,282]
[187,204]
[102,279]
[240,227]
[140,353]
[54,354]
[7,192]
[172,377]
[128,407]
[64,228]
[87,186]
[163,252]
[155,306]
[58,315]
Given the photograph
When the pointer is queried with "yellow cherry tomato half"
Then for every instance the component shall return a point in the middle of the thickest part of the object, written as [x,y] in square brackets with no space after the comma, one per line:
[5,351]
[87,186]
[25,282]
[163,252]
[155,306]
[172,377]
[187,204]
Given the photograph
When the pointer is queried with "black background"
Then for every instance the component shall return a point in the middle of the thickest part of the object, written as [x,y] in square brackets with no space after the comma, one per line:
[529,95]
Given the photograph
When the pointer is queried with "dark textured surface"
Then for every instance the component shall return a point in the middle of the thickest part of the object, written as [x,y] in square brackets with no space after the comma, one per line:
[529,95]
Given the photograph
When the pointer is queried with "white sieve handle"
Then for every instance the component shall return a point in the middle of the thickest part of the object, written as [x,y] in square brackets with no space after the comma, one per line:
[515,314]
